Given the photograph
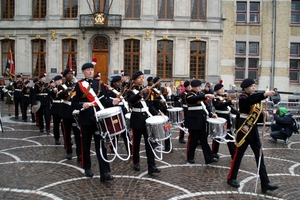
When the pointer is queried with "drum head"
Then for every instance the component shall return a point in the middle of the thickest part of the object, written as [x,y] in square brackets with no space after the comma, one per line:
[109,112]
[175,109]
[218,120]
[75,112]
[38,105]
[158,119]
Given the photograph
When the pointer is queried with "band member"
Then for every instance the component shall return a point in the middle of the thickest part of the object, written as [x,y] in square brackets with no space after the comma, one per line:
[68,121]
[150,81]
[196,116]
[140,112]
[40,93]
[55,94]
[33,115]
[87,102]
[125,79]
[116,84]
[18,95]
[160,103]
[247,133]
[223,108]
[187,87]
[9,95]
[26,99]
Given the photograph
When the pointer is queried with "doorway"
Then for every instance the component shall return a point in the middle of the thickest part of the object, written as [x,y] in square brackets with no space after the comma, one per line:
[100,45]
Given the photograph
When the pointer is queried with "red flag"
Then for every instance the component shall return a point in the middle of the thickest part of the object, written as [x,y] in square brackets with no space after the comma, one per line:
[70,62]
[10,66]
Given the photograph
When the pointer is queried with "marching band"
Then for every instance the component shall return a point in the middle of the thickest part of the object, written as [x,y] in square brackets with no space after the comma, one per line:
[90,108]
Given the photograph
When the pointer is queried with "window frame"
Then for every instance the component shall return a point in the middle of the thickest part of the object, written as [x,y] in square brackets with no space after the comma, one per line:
[100,7]
[196,55]
[69,54]
[41,56]
[248,12]
[294,58]
[134,8]
[295,12]
[165,73]
[41,9]
[10,45]
[198,8]
[70,12]
[165,15]
[9,9]
[132,54]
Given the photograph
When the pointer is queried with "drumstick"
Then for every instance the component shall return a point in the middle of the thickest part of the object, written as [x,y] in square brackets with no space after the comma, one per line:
[162,114]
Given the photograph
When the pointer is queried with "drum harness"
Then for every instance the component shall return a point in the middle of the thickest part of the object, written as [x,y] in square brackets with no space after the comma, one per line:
[194,107]
[142,101]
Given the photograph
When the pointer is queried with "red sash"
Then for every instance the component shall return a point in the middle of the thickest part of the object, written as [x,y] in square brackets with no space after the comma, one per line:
[91,96]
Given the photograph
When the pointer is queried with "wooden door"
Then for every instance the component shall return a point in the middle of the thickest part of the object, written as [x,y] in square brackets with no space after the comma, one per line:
[100,51]
[102,64]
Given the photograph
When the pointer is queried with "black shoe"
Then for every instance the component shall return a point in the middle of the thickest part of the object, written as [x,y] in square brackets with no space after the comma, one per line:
[215,155]
[136,167]
[16,117]
[182,141]
[191,161]
[48,131]
[153,170]
[69,156]
[88,173]
[25,120]
[213,161]
[233,183]
[41,130]
[106,177]
[270,186]
[57,142]
[9,115]
[78,159]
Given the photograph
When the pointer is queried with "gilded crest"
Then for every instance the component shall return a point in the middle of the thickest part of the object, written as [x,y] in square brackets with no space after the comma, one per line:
[99,19]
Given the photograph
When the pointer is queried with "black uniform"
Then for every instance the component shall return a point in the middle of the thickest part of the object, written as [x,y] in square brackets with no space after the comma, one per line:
[221,105]
[252,139]
[89,128]
[18,96]
[55,110]
[68,121]
[25,101]
[138,125]
[40,93]
[196,116]
[185,111]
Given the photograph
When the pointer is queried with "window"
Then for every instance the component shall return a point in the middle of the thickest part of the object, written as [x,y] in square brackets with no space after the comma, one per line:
[164,66]
[70,8]
[131,56]
[165,9]
[197,60]
[101,6]
[7,54]
[295,15]
[7,9]
[294,62]
[39,9]
[38,57]
[69,51]
[247,12]
[133,9]
[198,10]
[246,60]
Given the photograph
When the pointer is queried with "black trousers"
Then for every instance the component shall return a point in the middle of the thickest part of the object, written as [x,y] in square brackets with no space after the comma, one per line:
[18,101]
[123,135]
[68,124]
[136,141]
[194,136]
[87,133]
[231,146]
[237,159]
[56,125]
[44,111]
[24,113]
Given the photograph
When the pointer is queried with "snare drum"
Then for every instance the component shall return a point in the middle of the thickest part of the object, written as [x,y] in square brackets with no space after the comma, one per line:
[112,120]
[158,127]
[217,127]
[176,115]
[127,118]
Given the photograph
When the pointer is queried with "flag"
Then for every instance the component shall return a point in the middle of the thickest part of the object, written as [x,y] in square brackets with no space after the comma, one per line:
[70,62]
[10,66]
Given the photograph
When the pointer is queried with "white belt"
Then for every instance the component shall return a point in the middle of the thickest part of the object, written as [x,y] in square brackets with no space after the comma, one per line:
[62,101]
[195,108]
[223,111]
[184,105]
[26,95]
[18,90]
[140,109]
[57,101]
[243,115]
[42,94]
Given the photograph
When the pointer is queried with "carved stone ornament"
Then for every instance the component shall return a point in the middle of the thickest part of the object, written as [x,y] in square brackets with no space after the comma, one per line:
[6,37]
[147,35]
[53,34]
[198,38]
[99,19]
[69,36]
[131,36]
[165,37]
[38,37]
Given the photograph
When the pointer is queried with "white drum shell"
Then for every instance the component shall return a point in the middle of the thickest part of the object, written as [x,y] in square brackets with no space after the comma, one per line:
[158,127]
[176,115]
[217,127]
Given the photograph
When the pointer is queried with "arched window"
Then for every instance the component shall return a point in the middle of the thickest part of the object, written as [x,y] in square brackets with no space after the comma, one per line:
[69,53]
[8,56]
[38,57]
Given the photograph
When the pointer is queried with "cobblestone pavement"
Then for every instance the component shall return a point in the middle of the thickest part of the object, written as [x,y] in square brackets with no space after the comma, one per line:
[32,167]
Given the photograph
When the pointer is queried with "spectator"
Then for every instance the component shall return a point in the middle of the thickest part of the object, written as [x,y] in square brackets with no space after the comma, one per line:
[169,91]
[180,88]
[282,129]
